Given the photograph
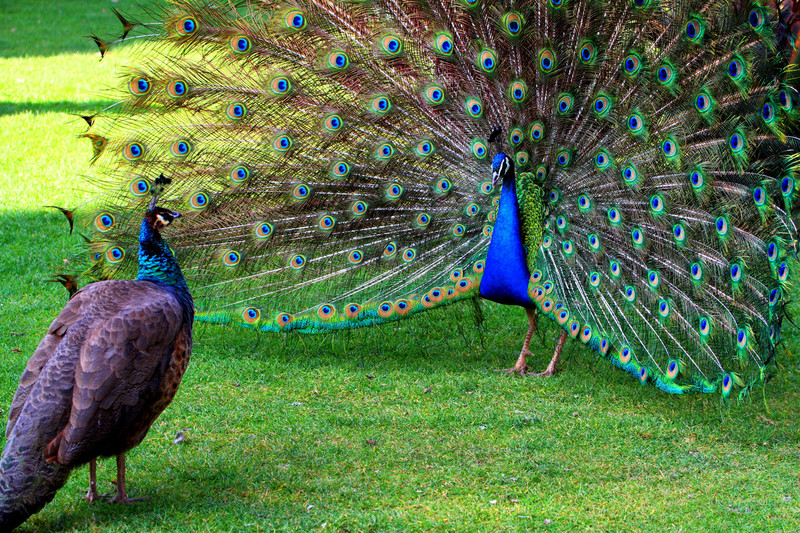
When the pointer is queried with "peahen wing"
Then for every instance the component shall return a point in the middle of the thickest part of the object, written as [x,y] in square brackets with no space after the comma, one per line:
[66,319]
[671,173]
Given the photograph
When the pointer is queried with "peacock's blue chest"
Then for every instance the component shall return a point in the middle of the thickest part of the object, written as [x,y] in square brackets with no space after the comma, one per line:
[506,275]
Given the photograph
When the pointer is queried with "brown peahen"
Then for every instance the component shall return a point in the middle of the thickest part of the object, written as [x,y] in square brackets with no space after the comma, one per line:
[107,367]
[334,160]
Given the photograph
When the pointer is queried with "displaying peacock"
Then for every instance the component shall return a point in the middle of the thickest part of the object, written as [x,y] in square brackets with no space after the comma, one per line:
[110,363]
[624,168]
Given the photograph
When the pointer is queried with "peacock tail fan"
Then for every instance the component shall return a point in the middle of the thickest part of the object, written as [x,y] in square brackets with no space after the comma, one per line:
[332,162]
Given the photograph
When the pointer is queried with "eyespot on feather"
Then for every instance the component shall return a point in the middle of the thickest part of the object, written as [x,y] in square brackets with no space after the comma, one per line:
[177,88]
[434,94]
[239,44]
[104,222]
[479,149]
[517,91]
[236,111]
[251,315]
[180,148]
[443,44]
[186,26]
[391,44]
[332,123]
[326,311]
[352,310]
[337,60]
[487,60]
[114,255]
[512,23]
[239,174]
[198,200]
[301,191]
[280,85]
[355,257]
[294,20]
[473,107]
[139,187]
[139,86]
[133,151]
[263,230]
[231,258]
[297,262]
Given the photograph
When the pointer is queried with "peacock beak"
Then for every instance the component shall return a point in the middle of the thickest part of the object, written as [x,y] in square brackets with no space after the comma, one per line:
[175,214]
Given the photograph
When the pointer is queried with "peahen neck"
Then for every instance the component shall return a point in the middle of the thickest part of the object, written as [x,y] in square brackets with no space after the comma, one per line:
[156,262]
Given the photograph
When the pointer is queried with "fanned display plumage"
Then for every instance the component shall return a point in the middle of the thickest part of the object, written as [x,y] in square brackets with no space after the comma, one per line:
[335,163]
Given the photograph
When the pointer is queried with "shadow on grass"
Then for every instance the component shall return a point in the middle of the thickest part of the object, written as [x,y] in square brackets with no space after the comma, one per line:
[161,496]
[47,27]
[64,106]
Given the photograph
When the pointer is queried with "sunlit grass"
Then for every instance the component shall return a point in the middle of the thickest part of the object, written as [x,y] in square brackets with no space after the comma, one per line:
[404,427]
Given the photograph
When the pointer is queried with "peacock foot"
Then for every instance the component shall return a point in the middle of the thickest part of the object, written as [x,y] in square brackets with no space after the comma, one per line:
[521,367]
[551,368]
[546,374]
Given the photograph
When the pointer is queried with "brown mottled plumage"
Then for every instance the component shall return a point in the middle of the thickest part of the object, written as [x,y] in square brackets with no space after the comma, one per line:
[106,369]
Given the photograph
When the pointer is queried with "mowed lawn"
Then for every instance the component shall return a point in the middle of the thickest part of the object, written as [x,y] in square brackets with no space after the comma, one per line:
[400,428]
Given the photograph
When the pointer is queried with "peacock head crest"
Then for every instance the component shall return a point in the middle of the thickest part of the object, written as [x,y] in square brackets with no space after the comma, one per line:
[502,167]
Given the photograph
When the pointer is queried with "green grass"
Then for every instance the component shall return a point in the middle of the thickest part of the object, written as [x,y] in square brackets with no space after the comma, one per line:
[338,432]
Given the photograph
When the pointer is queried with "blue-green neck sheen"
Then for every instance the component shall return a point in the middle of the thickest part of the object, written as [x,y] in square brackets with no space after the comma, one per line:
[156,262]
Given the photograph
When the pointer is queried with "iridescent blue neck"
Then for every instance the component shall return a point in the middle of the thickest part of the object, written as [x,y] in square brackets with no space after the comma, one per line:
[156,262]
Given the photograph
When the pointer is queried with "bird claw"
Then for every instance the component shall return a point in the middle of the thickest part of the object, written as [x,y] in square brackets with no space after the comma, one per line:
[91,496]
[120,499]
[546,374]
[521,367]
[521,370]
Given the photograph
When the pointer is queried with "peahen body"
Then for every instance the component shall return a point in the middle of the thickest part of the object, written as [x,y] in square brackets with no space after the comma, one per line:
[334,161]
[107,367]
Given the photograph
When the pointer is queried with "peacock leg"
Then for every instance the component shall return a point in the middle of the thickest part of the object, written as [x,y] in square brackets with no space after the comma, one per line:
[551,368]
[522,366]
[91,494]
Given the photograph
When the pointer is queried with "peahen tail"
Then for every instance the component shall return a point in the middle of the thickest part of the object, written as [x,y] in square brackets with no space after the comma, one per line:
[27,481]
[333,160]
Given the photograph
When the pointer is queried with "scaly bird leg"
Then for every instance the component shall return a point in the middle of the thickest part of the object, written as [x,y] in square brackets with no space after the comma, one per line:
[122,494]
[91,494]
[522,366]
[551,368]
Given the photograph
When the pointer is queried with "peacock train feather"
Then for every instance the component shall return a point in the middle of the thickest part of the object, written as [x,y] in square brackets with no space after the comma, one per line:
[333,160]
